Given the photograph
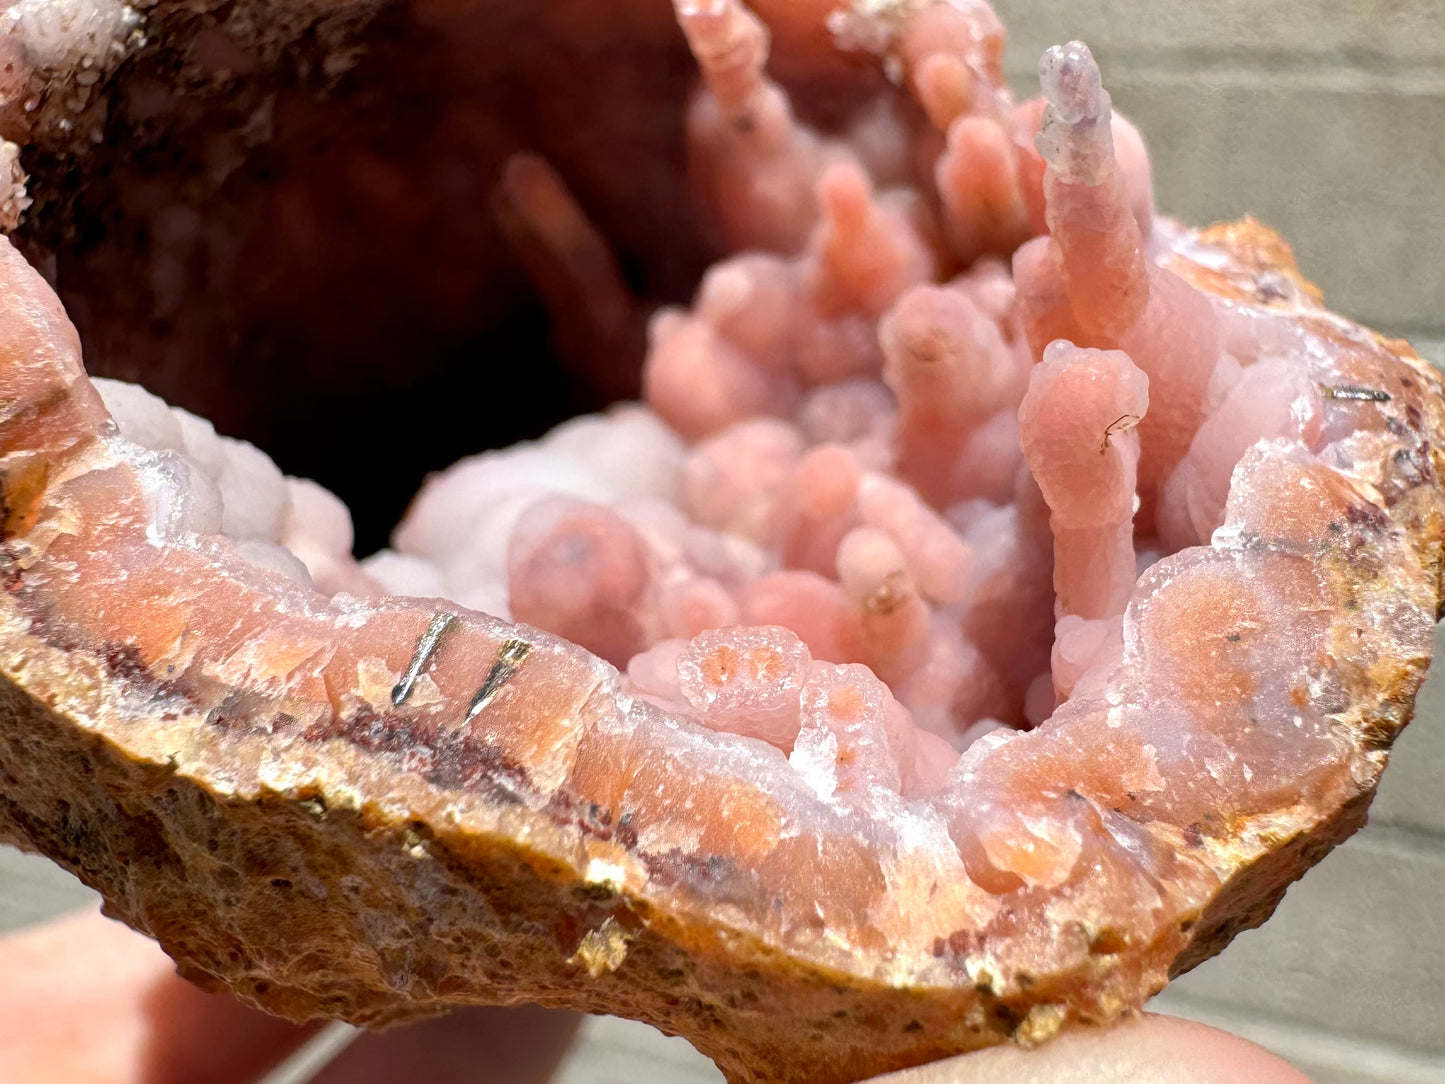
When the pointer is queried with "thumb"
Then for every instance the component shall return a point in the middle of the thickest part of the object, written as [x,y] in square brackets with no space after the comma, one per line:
[1148,1050]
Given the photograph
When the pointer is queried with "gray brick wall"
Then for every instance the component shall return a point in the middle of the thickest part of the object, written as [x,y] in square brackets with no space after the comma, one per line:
[1325,118]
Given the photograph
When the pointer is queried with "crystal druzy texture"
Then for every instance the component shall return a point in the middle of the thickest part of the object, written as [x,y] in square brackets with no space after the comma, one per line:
[999,596]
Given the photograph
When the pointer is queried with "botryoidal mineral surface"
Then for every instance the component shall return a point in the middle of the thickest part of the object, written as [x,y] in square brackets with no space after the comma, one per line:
[1000,595]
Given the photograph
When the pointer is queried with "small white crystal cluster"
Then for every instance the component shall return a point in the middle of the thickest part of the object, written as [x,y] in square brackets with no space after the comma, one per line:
[61,50]
[454,541]
[232,488]
[14,196]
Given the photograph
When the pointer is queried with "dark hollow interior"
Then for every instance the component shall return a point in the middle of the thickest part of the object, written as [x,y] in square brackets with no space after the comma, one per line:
[307,250]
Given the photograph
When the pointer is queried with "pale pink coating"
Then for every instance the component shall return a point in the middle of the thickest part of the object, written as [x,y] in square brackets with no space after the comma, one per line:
[850,718]
[1077,425]
[932,467]
[747,680]
[753,164]
[580,568]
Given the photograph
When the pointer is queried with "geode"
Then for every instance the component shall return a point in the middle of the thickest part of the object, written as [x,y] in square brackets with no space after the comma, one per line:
[999,596]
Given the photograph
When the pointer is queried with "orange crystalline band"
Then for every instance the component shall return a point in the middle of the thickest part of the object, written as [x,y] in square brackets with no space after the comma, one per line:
[999,596]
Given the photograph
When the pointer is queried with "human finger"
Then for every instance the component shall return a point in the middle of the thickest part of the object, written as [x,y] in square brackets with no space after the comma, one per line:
[520,1045]
[1148,1050]
[85,999]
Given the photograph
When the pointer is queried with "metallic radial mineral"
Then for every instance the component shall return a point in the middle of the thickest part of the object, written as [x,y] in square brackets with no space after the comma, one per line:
[999,595]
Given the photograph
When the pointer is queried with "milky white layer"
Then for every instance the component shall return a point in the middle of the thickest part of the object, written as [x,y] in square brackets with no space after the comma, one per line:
[288,525]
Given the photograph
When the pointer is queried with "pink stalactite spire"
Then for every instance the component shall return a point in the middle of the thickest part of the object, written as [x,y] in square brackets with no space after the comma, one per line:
[730,45]
[951,369]
[890,625]
[598,326]
[1098,243]
[1091,283]
[870,246]
[985,209]
[952,61]
[1077,425]
[753,161]
[952,56]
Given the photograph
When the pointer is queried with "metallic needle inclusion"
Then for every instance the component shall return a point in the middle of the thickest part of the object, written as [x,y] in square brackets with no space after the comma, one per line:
[985,546]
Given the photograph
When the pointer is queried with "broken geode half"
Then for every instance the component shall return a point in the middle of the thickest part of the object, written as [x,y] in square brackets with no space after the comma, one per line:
[374,807]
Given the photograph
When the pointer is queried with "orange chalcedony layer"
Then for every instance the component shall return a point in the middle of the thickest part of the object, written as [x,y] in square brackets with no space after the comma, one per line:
[223,752]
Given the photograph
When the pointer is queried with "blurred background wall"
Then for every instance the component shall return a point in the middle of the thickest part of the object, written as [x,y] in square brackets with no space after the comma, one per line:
[1325,118]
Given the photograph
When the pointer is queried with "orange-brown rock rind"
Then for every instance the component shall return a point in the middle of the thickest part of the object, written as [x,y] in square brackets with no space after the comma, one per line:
[353,890]
[1250,896]
[310,908]
[309,905]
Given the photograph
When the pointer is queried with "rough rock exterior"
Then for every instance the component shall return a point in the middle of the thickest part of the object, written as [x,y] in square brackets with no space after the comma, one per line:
[373,864]
[260,778]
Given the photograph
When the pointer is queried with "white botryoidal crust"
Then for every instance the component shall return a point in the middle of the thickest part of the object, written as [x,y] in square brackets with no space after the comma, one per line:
[14,196]
[60,53]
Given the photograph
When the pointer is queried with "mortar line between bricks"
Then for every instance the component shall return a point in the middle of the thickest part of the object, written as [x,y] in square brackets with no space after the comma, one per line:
[1129,75]
[1402,839]
[1306,1044]
[1271,51]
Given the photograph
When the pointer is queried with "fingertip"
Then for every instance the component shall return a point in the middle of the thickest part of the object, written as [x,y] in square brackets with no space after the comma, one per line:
[85,998]
[1148,1050]
[520,1045]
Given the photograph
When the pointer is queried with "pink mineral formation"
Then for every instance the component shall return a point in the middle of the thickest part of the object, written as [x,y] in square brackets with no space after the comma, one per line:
[1000,593]
[1077,426]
